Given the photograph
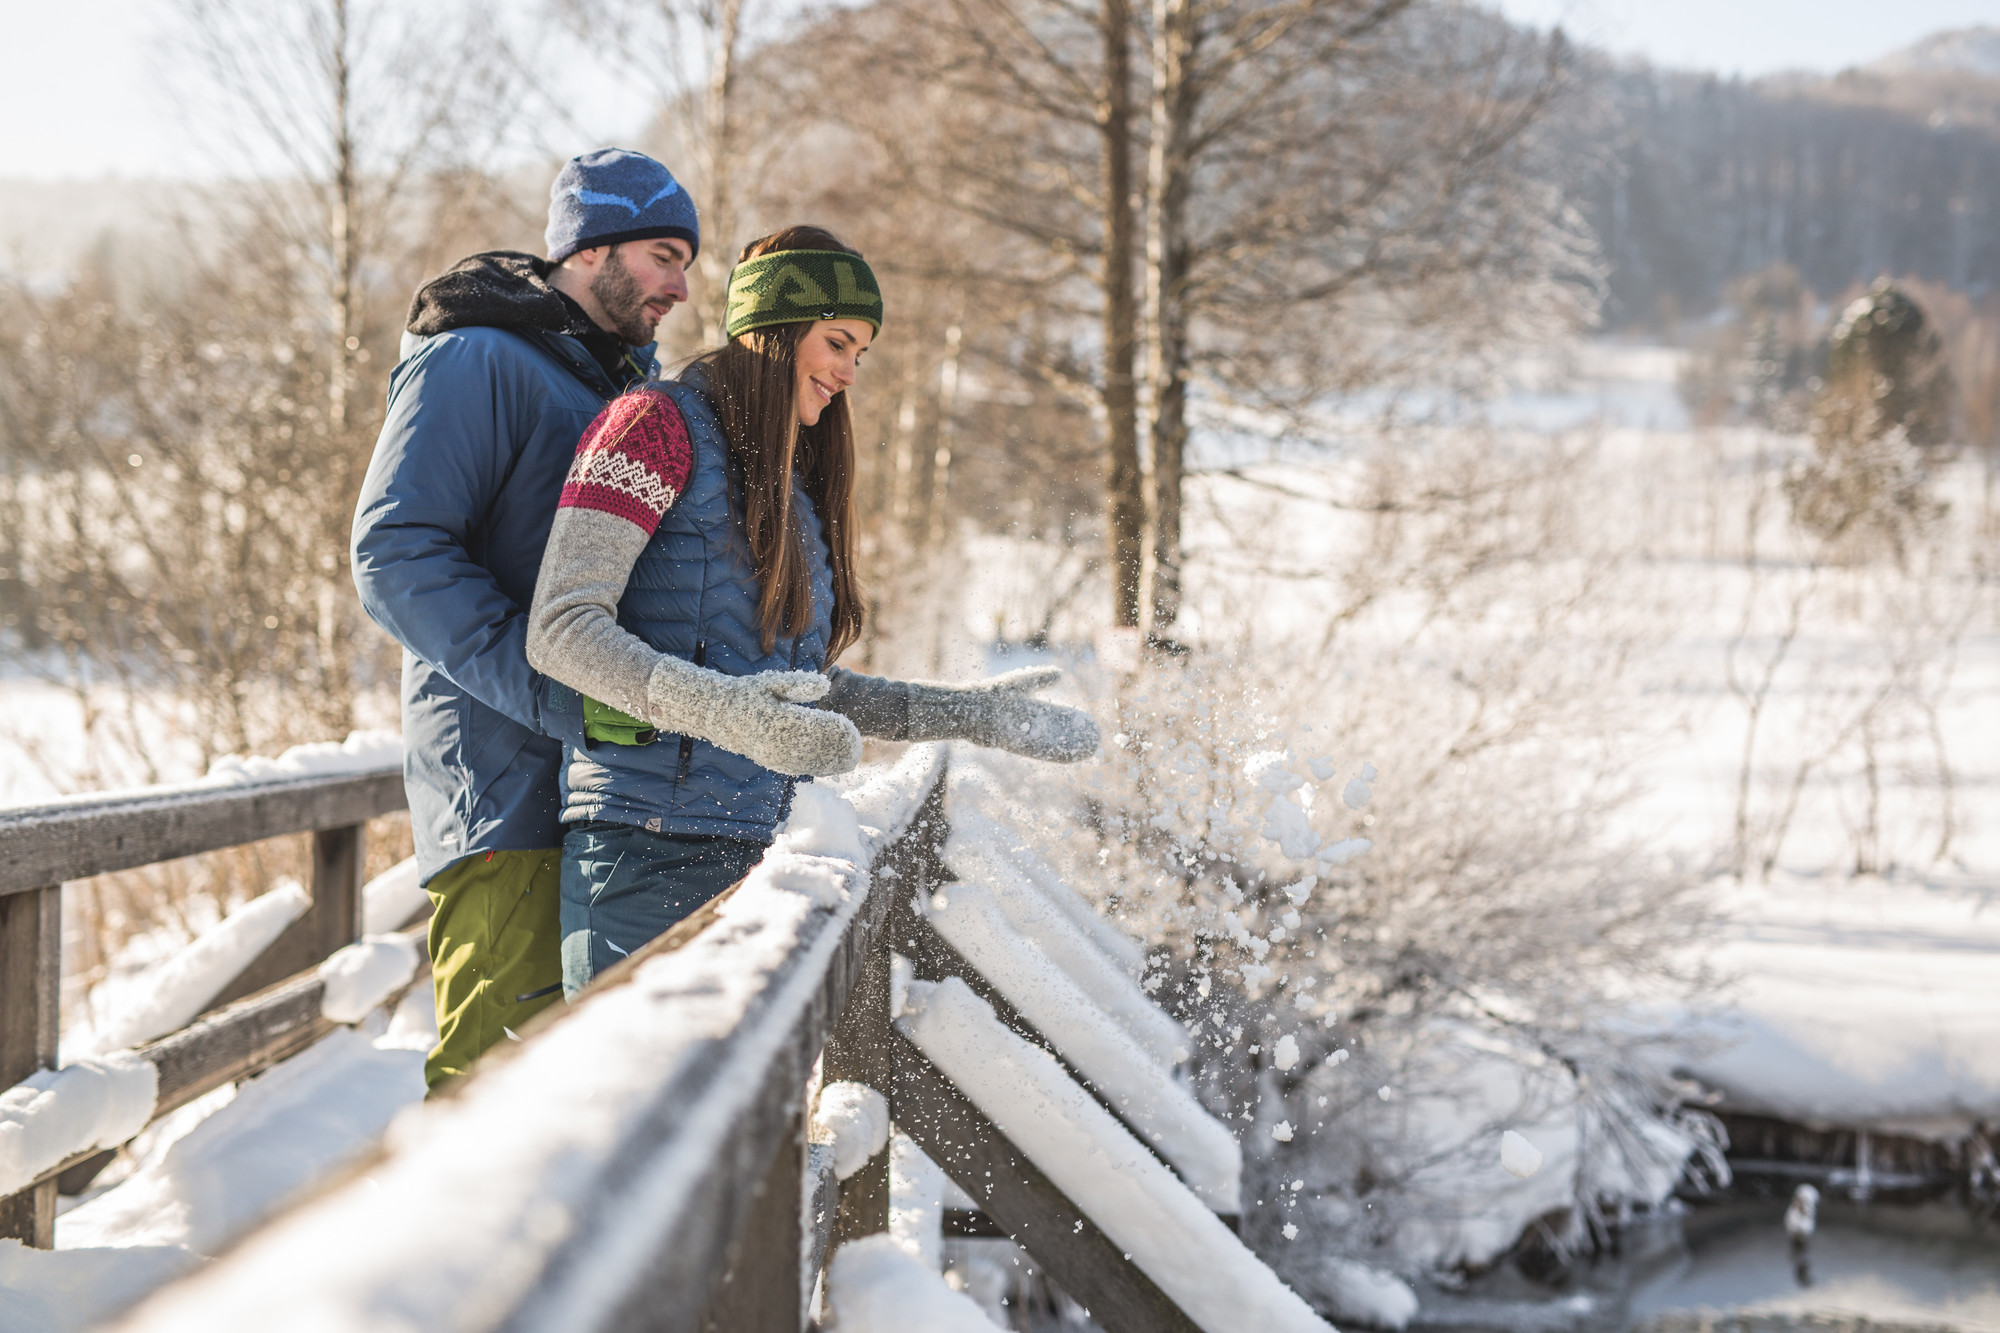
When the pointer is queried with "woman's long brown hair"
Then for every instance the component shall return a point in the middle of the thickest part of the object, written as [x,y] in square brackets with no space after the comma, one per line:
[753,384]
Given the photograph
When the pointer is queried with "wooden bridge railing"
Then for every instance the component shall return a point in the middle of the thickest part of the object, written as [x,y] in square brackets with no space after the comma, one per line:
[639,1160]
[255,1021]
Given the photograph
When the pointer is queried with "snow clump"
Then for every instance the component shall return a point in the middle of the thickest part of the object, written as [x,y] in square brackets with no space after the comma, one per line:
[1357,792]
[393,899]
[1267,769]
[1347,849]
[854,1118]
[357,979]
[1518,1157]
[1286,1054]
[822,823]
[876,1286]
[183,985]
[361,752]
[1282,1131]
[54,1114]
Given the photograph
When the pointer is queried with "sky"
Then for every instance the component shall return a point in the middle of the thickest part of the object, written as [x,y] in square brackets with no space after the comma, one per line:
[1752,37]
[83,90]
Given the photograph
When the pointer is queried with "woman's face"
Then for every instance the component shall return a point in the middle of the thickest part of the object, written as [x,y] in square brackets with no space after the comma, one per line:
[829,356]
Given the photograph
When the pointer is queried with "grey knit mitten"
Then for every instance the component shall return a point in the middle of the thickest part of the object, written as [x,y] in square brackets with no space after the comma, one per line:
[1002,713]
[759,717]
[997,712]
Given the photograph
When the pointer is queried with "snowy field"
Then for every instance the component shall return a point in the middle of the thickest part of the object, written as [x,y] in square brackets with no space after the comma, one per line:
[1853,999]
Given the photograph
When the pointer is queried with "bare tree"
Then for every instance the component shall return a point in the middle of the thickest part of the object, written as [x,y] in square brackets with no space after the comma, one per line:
[185,427]
[1319,163]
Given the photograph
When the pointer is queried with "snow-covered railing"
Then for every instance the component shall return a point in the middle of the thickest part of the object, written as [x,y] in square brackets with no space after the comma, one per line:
[273,1007]
[640,1159]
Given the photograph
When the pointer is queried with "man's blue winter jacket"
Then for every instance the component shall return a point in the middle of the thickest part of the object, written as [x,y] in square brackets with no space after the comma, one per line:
[482,425]
[693,593]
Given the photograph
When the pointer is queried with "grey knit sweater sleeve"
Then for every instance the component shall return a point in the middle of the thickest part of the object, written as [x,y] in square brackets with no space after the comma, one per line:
[573,629]
[624,479]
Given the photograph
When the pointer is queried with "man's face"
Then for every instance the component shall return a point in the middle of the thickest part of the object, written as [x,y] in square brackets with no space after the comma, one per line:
[638,283]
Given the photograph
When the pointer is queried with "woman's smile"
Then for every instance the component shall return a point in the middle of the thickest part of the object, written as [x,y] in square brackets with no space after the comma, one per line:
[829,357]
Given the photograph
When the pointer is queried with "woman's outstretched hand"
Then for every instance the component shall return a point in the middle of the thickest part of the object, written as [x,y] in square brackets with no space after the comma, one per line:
[766,717]
[1003,713]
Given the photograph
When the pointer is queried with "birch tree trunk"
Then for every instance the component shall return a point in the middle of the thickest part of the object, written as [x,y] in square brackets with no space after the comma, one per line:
[1175,34]
[718,165]
[1124,485]
[341,209]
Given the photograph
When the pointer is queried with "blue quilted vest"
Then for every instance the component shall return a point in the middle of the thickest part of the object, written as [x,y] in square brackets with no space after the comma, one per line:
[693,593]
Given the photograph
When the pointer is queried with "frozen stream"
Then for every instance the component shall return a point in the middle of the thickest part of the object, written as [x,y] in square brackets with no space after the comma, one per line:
[1924,1266]
[1870,1269]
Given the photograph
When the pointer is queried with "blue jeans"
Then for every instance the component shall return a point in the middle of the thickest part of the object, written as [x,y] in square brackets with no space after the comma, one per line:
[623,886]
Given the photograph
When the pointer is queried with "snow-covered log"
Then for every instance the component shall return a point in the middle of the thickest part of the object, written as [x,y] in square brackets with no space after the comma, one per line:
[1134,1199]
[973,853]
[55,1114]
[1198,1146]
[182,986]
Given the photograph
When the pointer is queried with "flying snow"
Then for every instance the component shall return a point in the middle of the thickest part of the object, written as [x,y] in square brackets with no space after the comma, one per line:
[1518,1157]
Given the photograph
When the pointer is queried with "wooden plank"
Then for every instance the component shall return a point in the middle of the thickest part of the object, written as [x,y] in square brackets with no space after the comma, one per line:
[237,1043]
[233,1043]
[92,835]
[30,1021]
[821,1203]
[1024,1203]
[759,1288]
[332,922]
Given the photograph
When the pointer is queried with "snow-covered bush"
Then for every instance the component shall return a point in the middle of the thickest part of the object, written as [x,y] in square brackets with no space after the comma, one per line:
[1369,839]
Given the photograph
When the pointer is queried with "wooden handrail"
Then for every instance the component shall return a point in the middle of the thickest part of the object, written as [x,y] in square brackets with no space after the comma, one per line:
[82,836]
[653,1161]
[41,846]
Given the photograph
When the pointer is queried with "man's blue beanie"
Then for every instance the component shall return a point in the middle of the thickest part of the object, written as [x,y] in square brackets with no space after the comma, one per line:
[613,195]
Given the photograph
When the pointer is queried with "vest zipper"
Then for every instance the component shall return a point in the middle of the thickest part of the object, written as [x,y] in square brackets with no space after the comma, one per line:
[687,742]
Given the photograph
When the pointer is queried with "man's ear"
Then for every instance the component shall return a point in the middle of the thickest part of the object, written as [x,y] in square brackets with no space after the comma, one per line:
[588,260]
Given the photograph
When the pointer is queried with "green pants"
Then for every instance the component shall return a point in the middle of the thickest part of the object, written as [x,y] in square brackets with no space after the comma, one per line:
[496,951]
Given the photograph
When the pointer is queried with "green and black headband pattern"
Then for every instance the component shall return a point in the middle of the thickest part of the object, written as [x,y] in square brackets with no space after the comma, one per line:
[789,286]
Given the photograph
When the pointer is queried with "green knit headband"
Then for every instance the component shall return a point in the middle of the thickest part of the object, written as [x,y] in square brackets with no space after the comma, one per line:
[790,286]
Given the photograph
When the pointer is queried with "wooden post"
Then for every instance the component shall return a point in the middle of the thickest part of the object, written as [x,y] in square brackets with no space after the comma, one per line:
[332,922]
[759,1290]
[859,1053]
[30,1024]
[860,1050]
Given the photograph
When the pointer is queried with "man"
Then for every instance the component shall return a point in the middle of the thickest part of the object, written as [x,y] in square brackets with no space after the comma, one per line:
[506,360]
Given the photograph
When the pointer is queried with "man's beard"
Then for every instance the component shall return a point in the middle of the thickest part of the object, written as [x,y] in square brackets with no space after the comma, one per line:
[623,300]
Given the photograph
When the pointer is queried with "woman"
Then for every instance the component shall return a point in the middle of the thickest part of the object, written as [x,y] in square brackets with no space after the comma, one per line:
[698,580]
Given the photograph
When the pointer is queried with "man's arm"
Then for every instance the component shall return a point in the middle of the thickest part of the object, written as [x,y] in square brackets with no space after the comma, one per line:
[445,450]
